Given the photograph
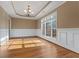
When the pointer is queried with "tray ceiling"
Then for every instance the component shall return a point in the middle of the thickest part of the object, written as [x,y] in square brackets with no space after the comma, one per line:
[39,8]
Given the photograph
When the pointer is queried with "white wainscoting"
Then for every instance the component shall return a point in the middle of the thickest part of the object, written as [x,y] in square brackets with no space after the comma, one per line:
[23,32]
[4,36]
[66,37]
[4,40]
[39,33]
[69,38]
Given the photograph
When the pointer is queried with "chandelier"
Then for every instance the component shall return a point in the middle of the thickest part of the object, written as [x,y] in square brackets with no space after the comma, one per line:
[28,11]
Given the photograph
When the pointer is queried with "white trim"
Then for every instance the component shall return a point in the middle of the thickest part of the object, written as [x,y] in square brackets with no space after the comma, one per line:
[23,32]
[68,29]
[4,40]
[72,38]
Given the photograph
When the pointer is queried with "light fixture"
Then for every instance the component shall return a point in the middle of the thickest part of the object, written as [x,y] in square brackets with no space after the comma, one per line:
[28,11]
[25,11]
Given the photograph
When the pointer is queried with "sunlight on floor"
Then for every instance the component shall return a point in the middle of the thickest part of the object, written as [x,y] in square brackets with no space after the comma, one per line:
[22,43]
[33,47]
[15,47]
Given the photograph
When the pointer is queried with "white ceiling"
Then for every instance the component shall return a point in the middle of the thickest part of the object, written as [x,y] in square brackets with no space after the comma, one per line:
[39,8]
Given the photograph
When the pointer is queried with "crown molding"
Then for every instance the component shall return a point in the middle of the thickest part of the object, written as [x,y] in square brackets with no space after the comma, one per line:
[29,16]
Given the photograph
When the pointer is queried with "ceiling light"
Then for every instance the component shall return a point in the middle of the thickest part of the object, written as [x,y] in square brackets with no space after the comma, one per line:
[28,11]
[25,11]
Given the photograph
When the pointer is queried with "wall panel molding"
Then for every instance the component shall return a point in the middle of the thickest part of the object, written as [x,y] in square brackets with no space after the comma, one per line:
[22,32]
[72,38]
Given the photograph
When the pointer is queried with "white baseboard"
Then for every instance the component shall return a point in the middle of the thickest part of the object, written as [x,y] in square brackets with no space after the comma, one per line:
[63,35]
[66,37]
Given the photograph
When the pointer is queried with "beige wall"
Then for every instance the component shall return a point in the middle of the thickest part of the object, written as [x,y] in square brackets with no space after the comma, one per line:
[4,23]
[39,24]
[4,19]
[23,23]
[68,15]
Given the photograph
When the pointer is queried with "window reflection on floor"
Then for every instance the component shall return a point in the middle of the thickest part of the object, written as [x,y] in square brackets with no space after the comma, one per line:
[33,47]
[24,43]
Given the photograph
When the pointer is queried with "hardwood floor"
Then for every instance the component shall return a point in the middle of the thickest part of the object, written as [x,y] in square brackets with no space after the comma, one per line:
[34,48]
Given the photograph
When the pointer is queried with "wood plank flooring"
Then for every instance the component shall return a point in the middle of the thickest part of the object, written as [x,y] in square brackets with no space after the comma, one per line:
[34,48]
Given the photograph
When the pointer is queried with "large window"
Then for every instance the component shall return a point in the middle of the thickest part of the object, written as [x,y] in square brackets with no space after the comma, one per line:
[43,29]
[48,29]
[49,26]
[53,27]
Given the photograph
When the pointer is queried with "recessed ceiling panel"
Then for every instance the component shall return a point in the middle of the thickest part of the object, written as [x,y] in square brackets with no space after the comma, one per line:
[36,6]
[39,8]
